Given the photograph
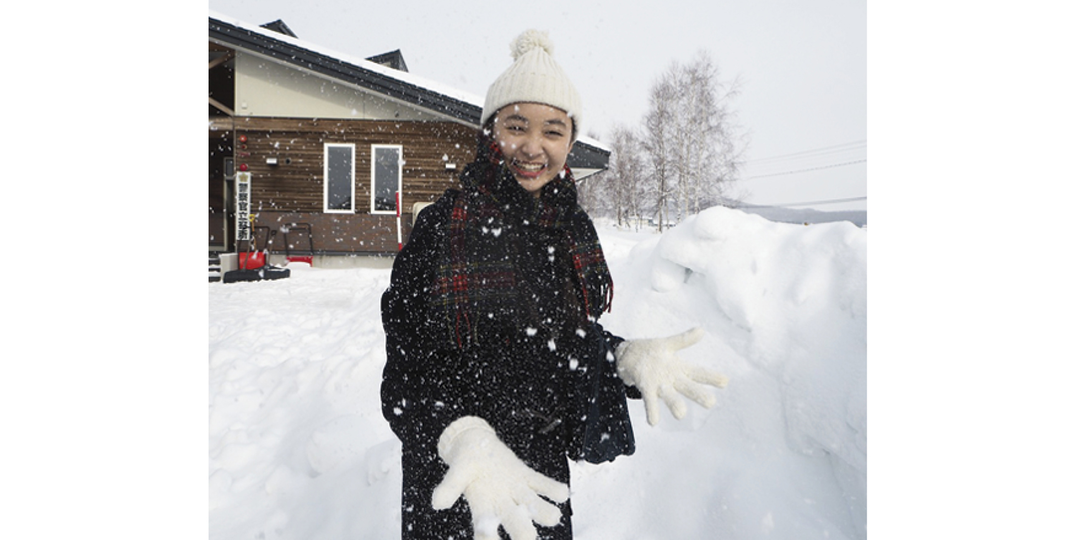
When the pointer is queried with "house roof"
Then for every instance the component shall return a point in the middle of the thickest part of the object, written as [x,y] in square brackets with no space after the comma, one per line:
[276,41]
[280,27]
[392,59]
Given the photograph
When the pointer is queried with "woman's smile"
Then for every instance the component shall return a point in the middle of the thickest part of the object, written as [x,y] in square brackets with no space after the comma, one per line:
[528,170]
[535,140]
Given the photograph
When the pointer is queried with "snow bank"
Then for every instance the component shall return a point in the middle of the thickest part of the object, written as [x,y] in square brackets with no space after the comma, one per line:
[298,448]
[784,452]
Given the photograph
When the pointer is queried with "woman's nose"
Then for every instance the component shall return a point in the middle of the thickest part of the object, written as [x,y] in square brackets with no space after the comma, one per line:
[531,146]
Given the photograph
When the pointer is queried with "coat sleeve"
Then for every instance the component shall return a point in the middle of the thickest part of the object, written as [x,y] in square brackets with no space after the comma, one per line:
[613,342]
[410,386]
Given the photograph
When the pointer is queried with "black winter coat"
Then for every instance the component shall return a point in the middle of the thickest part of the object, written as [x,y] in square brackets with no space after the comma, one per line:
[525,383]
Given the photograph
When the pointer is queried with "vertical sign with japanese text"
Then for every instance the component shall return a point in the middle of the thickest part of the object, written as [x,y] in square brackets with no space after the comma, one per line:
[243,206]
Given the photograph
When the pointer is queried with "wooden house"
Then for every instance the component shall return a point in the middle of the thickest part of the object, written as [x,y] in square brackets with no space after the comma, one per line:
[303,141]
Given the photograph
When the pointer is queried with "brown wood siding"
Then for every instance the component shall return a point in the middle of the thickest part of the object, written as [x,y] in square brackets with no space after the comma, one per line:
[334,234]
[293,189]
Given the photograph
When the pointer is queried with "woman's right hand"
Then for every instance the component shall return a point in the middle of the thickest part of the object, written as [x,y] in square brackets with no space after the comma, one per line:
[499,487]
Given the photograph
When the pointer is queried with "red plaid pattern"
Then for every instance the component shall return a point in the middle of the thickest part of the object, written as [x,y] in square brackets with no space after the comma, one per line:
[476,273]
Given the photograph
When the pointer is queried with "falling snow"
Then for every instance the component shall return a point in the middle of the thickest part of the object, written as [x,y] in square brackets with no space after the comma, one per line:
[299,448]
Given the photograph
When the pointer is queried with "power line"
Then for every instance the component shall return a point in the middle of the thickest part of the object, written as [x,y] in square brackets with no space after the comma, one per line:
[854,145]
[831,201]
[834,165]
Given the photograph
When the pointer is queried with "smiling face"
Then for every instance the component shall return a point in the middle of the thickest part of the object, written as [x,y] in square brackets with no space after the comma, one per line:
[535,140]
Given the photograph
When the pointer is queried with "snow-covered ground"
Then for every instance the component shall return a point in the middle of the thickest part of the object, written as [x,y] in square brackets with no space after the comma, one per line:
[299,450]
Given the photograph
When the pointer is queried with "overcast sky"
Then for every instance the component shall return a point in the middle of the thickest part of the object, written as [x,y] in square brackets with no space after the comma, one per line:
[802,66]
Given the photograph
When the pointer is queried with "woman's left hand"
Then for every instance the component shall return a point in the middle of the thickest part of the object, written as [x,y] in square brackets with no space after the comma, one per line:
[652,366]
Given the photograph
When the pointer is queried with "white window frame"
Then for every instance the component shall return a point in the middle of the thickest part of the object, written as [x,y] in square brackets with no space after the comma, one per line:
[326,179]
[400,180]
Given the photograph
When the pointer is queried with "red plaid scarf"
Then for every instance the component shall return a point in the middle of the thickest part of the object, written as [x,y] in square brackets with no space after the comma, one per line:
[477,275]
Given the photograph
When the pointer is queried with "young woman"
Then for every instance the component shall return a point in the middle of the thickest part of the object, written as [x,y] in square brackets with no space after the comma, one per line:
[497,371]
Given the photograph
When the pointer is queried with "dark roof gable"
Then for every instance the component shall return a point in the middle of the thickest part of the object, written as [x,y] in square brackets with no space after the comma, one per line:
[392,59]
[279,26]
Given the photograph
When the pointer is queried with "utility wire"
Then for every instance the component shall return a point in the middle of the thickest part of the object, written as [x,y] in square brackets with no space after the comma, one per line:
[834,165]
[855,145]
[831,201]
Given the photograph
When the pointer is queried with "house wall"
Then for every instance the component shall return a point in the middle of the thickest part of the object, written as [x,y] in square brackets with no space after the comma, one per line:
[292,191]
[267,88]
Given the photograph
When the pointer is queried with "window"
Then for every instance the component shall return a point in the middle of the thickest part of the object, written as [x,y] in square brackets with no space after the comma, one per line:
[339,189]
[385,177]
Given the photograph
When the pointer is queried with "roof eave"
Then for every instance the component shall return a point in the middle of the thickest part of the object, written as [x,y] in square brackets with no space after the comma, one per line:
[235,36]
[586,154]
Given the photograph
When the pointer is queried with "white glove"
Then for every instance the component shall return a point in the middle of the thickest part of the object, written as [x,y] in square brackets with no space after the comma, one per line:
[651,366]
[499,487]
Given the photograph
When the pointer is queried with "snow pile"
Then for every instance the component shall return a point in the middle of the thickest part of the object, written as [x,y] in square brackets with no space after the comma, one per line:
[784,451]
[298,448]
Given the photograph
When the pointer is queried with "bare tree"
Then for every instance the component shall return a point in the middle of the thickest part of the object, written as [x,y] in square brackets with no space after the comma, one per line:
[685,156]
[693,143]
[656,141]
[593,193]
[720,142]
[624,186]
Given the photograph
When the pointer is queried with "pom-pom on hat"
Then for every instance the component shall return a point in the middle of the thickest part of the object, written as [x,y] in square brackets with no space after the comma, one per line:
[533,77]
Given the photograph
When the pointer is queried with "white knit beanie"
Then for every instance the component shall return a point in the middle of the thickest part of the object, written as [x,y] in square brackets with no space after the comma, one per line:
[533,77]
